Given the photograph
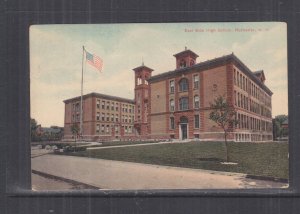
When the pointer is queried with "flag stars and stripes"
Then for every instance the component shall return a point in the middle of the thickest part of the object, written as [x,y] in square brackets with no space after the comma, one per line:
[94,60]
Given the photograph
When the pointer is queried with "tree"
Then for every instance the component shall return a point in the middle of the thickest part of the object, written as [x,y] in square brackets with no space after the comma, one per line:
[33,127]
[279,131]
[224,115]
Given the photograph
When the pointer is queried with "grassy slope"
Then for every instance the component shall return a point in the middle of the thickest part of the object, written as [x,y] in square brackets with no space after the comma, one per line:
[266,159]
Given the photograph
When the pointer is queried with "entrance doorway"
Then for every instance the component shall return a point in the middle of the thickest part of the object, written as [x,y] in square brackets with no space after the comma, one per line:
[183,128]
[183,131]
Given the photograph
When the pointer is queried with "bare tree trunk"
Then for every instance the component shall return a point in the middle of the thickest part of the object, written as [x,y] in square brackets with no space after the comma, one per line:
[226,146]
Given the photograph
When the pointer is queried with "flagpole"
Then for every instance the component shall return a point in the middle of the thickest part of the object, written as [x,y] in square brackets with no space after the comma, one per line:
[81,131]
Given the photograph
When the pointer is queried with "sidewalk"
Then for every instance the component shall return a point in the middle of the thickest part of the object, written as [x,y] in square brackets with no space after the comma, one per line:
[108,174]
[129,145]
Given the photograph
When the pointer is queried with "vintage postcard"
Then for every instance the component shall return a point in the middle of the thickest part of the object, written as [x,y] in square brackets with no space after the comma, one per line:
[159,106]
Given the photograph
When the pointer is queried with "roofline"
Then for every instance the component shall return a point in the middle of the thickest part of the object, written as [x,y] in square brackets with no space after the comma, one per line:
[103,96]
[202,66]
[142,66]
[186,51]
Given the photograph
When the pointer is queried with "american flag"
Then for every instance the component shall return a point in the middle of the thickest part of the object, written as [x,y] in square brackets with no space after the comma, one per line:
[94,60]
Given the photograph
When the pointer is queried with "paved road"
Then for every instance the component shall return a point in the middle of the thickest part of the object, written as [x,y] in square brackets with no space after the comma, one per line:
[108,174]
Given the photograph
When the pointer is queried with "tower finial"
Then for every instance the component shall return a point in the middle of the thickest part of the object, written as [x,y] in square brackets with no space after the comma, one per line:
[142,61]
[185,48]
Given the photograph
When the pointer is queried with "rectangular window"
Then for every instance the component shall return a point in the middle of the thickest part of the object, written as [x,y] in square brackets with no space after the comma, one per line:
[98,115]
[196,101]
[77,108]
[98,103]
[102,116]
[112,106]
[172,123]
[197,122]
[172,105]
[117,118]
[107,117]
[117,106]
[112,117]
[172,86]
[103,104]
[107,128]
[116,129]
[107,106]
[196,81]
[98,128]
[184,103]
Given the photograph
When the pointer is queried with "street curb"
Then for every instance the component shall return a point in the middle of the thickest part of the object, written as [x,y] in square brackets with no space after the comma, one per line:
[266,178]
[87,186]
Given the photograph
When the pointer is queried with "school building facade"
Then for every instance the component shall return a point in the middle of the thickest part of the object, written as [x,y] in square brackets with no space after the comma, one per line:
[176,104]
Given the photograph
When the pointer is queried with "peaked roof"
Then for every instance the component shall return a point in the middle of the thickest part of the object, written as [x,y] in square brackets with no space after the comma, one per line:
[216,62]
[186,52]
[142,67]
[259,74]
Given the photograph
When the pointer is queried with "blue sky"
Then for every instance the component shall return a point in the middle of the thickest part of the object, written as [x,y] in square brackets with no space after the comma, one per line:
[56,57]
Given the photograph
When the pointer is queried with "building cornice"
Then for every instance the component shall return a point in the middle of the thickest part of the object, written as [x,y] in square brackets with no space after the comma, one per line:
[101,96]
[209,64]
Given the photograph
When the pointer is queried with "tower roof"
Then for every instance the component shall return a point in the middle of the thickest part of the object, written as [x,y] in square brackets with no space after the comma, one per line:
[187,51]
[142,67]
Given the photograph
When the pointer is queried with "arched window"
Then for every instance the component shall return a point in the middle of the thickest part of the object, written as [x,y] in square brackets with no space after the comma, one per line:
[184,119]
[183,84]
[182,63]
[183,103]
[172,105]
[196,101]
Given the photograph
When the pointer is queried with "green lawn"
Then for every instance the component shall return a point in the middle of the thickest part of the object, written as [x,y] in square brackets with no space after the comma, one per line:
[262,159]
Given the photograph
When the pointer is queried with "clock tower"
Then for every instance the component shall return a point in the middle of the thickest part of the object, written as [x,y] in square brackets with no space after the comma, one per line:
[141,97]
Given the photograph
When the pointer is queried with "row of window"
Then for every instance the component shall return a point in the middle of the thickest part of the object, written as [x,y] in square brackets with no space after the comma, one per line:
[108,129]
[252,137]
[196,122]
[75,117]
[184,84]
[114,106]
[184,103]
[244,102]
[114,117]
[76,107]
[247,122]
[250,87]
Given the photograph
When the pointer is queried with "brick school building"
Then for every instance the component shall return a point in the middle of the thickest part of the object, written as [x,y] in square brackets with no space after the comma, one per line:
[176,104]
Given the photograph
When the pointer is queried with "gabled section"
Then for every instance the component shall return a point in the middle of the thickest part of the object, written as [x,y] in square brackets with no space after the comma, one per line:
[260,75]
